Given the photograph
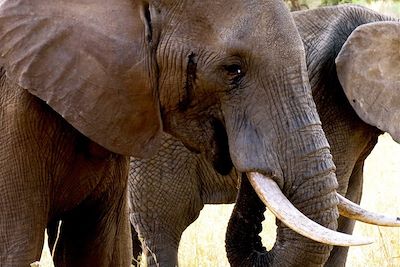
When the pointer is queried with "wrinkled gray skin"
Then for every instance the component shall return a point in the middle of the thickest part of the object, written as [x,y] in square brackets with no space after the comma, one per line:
[202,72]
[178,183]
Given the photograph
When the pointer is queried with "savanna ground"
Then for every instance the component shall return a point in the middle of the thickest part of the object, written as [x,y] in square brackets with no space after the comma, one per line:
[203,243]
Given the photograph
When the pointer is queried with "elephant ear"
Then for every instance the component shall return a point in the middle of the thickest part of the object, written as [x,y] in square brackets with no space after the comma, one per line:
[368,68]
[91,62]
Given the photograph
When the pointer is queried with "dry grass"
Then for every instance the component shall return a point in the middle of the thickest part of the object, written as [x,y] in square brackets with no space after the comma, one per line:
[382,185]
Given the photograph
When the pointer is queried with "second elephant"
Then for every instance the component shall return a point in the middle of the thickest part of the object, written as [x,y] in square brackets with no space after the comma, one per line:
[178,182]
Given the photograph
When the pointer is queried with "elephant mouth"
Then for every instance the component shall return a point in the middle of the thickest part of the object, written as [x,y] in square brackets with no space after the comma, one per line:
[219,154]
[212,144]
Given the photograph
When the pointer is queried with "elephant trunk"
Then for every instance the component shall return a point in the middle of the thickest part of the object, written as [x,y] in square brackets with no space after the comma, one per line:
[243,243]
[310,185]
[275,130]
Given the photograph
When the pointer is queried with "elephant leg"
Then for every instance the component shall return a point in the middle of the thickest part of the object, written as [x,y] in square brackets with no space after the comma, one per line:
[160,238]
[160,231]
[160,228]
[24,207]
[160,251]
[165,197]
[97,232]
[338,255]
[22,225]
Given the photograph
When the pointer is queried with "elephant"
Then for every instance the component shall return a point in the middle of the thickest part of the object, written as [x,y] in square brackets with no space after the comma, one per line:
[86,84]
[168,191]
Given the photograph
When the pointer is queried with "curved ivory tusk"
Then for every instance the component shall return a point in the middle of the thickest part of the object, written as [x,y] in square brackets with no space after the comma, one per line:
[353,211]
[270,193]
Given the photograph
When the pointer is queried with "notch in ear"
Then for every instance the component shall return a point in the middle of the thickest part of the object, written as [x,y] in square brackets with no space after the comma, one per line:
[89,61]
[368,68]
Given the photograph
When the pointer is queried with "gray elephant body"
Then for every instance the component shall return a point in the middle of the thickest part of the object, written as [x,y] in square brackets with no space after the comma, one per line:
[85,191]
[85,82]
[178,183]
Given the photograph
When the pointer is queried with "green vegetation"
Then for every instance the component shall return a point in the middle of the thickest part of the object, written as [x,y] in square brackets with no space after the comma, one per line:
[390,7]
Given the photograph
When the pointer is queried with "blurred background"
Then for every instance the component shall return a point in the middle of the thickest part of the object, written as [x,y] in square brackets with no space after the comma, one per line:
[389,7]
[203,243]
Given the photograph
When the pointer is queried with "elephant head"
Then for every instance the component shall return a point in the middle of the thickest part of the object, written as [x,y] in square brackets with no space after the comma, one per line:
[371,82]
[228,78]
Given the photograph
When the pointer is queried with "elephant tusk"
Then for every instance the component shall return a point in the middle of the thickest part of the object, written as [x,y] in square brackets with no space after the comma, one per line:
[353,211]
[270,193]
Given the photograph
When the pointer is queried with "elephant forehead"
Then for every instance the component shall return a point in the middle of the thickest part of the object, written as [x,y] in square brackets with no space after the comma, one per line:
[234,27]
[213,20]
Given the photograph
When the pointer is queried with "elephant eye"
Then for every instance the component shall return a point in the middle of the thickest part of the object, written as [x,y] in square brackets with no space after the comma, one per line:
[235,73]
[233,69]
